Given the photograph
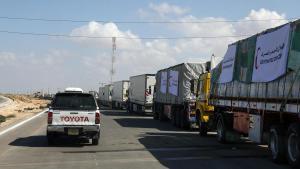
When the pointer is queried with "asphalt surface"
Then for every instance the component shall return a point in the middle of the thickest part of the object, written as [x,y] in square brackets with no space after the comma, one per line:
[128,142]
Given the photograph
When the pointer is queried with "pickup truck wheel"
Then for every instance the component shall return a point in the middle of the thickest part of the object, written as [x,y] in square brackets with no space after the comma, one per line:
[277,143]
[95,141]
[50,139]
[221,130]
[202,128]
[293,145]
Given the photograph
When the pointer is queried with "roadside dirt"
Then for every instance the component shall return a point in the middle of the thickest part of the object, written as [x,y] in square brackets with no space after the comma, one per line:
[22,107]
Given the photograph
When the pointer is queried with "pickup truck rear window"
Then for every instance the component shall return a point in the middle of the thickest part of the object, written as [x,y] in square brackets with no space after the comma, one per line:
[74,101]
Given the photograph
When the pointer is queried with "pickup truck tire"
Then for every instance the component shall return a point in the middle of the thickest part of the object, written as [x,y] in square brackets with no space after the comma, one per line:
[293,145]
[277,143]
[50,139]
[95,139]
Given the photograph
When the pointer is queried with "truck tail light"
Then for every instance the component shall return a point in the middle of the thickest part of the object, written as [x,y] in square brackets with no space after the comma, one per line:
[97,117]
[50,117]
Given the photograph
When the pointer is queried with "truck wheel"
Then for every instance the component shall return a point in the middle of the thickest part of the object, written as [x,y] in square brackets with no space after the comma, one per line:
[155,116]
[177,117]
[293,145]
[161,115]
[202,128]
[221,130]
[173,118]
[277,143]
[184,120]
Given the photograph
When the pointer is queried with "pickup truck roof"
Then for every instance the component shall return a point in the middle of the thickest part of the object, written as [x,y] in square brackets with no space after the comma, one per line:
[74,101]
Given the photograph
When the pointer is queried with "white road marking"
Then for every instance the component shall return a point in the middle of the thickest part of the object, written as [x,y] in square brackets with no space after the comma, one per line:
[80,162]
[21,123]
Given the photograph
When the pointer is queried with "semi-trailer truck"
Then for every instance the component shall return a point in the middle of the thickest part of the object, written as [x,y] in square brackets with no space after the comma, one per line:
[120,94]
[105,95]
[255,92]
[174,96]
[141,89]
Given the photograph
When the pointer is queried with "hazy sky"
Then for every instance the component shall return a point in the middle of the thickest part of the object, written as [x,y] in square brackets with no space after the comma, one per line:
[31,63]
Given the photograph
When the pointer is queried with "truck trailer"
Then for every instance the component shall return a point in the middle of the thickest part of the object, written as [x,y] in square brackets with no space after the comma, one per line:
[105,95]
[255,92]
[174,96]
[120,94]
[141,89]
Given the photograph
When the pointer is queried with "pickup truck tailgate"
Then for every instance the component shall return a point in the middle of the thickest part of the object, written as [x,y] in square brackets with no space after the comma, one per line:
[73,117]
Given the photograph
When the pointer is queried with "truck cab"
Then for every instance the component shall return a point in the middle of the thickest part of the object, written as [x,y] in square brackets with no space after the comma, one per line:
[204,111]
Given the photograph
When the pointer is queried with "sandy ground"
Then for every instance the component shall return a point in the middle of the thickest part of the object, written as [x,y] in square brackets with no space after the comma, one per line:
[21,107]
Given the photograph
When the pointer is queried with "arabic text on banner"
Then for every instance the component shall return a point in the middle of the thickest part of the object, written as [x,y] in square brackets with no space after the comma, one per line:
[163,82]
[271,53]
[173,83]
[227,65]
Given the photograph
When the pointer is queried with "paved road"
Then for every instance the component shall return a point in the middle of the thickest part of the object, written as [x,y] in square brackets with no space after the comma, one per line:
[128,142]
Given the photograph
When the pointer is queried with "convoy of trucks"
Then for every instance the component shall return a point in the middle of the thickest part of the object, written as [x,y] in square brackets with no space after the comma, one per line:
[120,94]
[141,89]
[254,92]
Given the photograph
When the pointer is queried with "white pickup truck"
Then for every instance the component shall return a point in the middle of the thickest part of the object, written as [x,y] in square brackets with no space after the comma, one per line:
[75,114]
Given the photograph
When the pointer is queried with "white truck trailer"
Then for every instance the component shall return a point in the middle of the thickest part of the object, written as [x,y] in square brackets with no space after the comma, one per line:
[141,89]
[255,92]
[120,94]
[174,99]
[105,95]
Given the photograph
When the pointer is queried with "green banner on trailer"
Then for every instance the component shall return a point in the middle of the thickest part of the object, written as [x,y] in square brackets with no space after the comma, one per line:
[294,55]
[244,60]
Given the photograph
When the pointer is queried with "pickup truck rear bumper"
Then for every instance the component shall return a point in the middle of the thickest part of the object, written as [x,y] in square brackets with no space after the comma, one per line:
[90,130]
[62,128]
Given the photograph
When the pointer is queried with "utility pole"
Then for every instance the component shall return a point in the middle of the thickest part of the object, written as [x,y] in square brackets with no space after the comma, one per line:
[113,58]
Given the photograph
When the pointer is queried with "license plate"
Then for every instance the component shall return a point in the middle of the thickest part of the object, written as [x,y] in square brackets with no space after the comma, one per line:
[73,132]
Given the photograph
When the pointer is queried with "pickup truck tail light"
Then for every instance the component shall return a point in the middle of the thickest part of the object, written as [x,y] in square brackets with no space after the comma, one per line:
[50,117]
[97,117]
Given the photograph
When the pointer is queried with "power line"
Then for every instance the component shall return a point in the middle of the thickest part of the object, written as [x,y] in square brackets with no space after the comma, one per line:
[145,22]
[118,37]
